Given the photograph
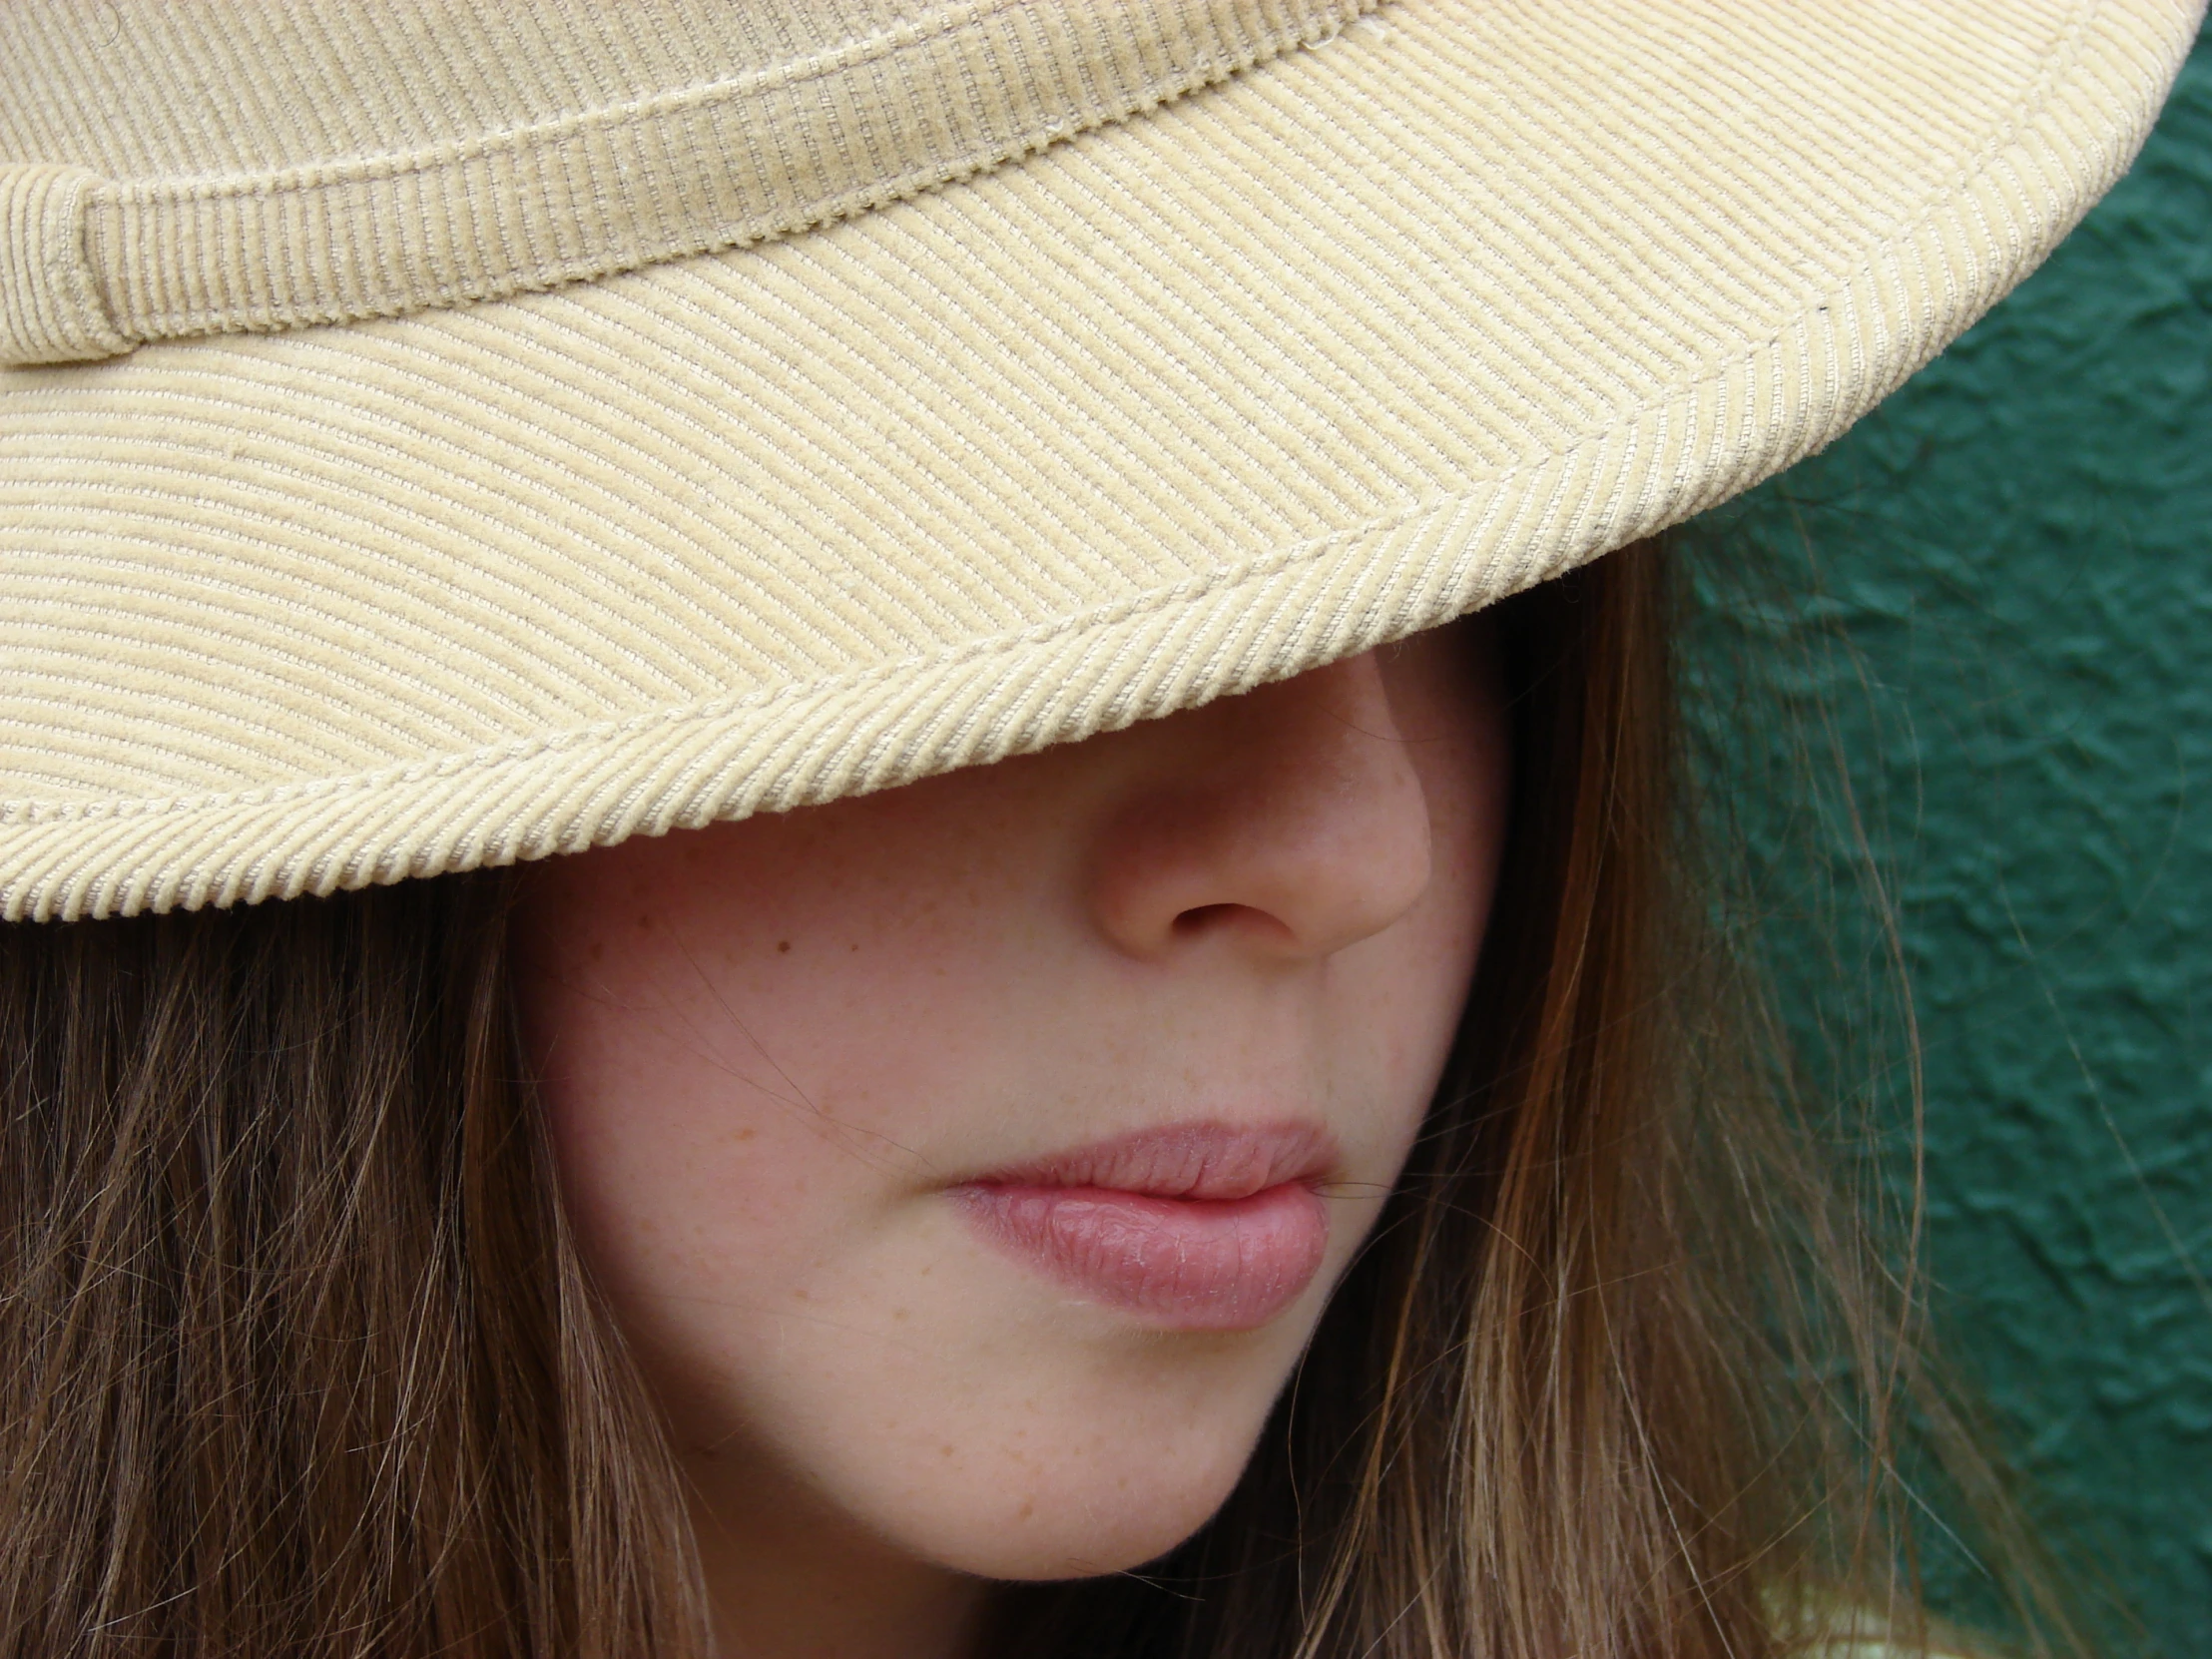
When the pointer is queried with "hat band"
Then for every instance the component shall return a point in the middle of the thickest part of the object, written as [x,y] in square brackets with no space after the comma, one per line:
[90,267]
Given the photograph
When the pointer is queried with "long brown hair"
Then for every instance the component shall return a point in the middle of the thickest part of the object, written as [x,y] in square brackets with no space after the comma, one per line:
[297,1357]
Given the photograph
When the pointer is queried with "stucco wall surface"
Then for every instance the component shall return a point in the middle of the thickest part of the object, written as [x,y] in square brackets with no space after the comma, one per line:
[2007,612]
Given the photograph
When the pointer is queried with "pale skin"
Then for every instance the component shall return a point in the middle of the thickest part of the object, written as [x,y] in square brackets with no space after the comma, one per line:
[772,1050]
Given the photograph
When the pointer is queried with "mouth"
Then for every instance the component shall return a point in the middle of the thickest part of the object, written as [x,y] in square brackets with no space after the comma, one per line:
[1194,1227]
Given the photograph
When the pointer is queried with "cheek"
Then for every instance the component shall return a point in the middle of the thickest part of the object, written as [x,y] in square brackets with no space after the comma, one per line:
[690,1181]
[721,1127]
[749,1086]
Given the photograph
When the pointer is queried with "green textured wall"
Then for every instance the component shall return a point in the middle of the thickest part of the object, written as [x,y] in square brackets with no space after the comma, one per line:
[2010,612]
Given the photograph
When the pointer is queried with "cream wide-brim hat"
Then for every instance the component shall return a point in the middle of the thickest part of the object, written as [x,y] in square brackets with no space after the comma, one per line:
[436,436]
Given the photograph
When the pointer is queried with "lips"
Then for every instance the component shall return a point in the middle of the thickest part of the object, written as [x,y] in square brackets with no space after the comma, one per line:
[1196,1227]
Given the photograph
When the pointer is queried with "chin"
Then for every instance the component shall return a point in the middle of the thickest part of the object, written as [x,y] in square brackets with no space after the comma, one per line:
[1110,1520]
[1068,1461]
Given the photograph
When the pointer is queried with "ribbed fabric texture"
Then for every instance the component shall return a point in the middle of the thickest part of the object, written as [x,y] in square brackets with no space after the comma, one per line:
[797,118]
[51,308]
[1370,335]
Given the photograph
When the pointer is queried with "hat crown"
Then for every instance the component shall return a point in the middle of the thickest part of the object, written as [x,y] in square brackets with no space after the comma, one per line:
[185,169]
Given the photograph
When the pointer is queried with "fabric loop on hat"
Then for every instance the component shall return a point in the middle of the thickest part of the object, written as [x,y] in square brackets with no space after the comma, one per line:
[587,194]
[51,309]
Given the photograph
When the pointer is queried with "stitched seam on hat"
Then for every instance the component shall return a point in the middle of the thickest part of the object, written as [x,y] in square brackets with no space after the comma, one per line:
[518,749]
[165,323]
[849,54]
[1181,78]
[2006,134]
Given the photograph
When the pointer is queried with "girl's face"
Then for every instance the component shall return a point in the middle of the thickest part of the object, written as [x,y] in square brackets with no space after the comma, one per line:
[968,1163]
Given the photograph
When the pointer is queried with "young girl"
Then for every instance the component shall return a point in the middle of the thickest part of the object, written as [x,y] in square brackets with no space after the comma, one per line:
[1123,1053]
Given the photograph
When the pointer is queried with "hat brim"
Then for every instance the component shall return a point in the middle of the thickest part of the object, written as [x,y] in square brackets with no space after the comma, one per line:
[1368,336]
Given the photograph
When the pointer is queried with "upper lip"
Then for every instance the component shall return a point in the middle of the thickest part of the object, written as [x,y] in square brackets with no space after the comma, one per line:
[1203,1160]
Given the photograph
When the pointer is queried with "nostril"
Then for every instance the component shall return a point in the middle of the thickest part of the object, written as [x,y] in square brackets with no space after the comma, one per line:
[1201,920]
[1204,919]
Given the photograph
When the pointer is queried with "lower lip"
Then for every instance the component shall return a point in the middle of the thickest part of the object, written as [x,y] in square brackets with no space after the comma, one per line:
[1176,1263]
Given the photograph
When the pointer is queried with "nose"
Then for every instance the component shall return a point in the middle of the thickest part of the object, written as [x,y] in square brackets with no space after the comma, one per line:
[1288,821]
